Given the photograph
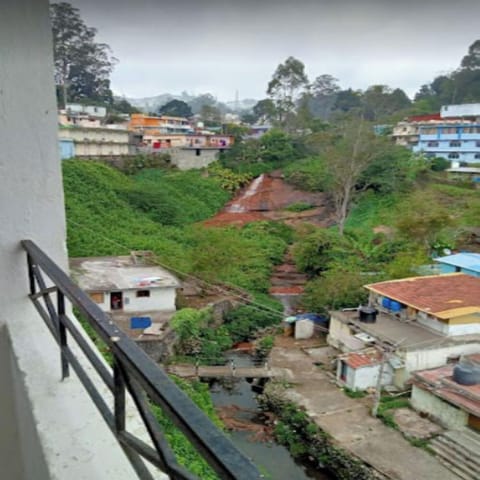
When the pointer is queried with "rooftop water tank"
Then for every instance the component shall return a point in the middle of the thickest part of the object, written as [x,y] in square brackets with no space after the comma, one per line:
[386,303]
[466,374]
[395,306]
[367,314]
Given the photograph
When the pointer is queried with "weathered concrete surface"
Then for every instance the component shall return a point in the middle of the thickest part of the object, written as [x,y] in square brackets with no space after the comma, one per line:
[349,421]
[411,424]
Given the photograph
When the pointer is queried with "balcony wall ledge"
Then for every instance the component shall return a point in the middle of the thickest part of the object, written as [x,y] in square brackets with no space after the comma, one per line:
[61,432]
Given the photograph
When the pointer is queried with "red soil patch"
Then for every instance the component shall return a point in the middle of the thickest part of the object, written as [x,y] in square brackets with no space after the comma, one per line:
[287,290]
[264,199]
[234,218]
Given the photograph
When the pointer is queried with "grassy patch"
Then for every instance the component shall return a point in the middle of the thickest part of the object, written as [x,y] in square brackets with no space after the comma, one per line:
[354,393]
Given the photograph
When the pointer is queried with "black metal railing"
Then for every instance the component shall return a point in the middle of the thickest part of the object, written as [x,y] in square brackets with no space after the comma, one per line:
[133,371]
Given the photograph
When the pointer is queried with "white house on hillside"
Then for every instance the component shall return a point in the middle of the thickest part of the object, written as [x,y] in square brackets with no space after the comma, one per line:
[121,284]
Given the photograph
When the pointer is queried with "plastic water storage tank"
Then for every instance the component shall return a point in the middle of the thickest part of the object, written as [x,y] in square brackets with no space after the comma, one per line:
[386,303]
[395,306]
[367,314]
[466,374]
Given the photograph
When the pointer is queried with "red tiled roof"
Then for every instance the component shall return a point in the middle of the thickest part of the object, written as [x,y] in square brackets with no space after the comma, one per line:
[434,294]
[357,360]
[423,118]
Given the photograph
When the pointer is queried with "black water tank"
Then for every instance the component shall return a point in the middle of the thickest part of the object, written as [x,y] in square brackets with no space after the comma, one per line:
[368,314]
[466,374]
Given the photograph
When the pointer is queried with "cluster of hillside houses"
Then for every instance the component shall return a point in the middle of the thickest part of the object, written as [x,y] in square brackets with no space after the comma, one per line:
[421,333]
[86,132]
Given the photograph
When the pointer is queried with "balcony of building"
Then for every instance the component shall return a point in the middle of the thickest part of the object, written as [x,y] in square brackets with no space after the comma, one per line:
[64,412]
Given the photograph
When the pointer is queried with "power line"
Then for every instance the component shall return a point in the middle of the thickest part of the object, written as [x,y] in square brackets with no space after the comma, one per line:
[253,304]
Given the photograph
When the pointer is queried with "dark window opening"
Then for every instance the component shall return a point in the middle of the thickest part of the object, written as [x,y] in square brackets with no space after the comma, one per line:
[197,152]
[143,293]
[116,301]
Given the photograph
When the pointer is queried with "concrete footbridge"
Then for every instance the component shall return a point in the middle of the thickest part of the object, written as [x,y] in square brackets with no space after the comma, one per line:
[223,371]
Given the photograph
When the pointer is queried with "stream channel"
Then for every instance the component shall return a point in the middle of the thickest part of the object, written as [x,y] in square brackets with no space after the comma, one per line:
[268,455]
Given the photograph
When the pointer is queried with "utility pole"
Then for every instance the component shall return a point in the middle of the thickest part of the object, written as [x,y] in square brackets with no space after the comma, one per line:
[385,351]
[378,387]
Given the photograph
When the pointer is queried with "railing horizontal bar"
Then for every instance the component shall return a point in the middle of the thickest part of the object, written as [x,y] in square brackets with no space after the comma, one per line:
[217,449]
[96,362]
[41,293]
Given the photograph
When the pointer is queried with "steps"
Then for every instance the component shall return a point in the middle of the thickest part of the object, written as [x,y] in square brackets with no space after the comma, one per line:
[459,451]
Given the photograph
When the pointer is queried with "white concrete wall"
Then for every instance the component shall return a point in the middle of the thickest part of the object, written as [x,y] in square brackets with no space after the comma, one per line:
[161,299]
[304,329]
[94,149]
[59,433]
[436,357]
[94,134]
[365,377]
[444,413]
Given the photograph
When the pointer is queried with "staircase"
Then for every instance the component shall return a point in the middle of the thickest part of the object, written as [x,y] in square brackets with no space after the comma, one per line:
[459,451]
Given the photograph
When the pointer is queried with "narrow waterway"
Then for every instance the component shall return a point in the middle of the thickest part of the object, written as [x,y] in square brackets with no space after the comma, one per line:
[269,456]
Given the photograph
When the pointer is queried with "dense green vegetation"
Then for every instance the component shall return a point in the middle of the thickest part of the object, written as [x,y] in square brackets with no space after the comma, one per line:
[183,449]
[109,213]
[204,340]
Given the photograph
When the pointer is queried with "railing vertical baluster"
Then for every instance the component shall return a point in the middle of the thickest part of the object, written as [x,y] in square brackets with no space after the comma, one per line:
[119,397]
[63,333]
[31,275]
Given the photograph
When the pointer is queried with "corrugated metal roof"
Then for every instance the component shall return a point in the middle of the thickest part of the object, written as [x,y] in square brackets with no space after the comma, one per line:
[470,261]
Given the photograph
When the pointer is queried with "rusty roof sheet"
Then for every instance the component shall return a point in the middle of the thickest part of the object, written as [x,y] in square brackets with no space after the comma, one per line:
[446,296]
[362,359]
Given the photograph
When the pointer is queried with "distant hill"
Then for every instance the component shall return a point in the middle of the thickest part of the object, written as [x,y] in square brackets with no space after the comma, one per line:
[151,104]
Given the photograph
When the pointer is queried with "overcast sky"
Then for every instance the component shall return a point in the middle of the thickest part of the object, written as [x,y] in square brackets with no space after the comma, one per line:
[220,46]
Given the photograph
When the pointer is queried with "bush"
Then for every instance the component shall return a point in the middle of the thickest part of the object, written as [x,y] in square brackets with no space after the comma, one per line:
[299,207]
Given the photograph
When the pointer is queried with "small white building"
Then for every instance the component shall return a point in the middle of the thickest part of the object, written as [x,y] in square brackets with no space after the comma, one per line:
[360,370]
[121,284]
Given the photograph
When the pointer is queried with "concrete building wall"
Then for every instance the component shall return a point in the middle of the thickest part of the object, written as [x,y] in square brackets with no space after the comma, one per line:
[436,357]
[100,149]
[366,377]
[446,414]
[462,110]
[49,429]
[304,329]
[161,299]
[187,159]
[80,134]
[340,336]
[457,326]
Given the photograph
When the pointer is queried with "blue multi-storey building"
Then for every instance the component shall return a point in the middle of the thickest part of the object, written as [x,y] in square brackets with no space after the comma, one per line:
[458,142]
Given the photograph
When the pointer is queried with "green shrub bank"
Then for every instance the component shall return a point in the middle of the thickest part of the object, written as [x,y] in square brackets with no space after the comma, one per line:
[184,451]
[109,213]
[308,442]
[202,340]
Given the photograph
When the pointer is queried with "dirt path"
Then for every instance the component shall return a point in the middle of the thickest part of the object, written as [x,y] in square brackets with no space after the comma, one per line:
[349,421]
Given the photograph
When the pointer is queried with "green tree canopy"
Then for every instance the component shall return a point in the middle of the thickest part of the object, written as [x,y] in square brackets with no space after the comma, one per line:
[176,108]
[288,81]
[82,66]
